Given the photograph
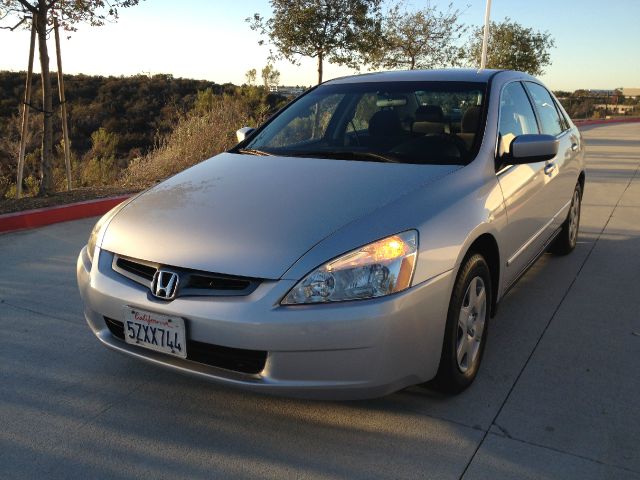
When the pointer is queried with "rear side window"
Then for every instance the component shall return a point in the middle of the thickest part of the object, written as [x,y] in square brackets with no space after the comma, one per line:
[516,115]
[550,120]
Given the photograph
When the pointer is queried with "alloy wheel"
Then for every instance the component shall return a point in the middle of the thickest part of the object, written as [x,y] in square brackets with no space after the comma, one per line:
[471,322]
[574,217]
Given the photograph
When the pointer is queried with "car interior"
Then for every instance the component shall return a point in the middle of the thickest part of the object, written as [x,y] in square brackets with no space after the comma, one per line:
[421,127]
[422,133]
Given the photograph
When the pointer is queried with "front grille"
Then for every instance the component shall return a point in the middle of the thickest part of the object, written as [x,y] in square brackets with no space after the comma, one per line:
[140,269]
[115,327]
[217,282]
[191,283]
[235,359]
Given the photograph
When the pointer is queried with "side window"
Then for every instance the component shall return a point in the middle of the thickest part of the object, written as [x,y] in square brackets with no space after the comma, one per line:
[516,115]
[550,120]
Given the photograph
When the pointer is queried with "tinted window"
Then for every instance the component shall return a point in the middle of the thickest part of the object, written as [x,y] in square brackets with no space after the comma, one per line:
[407,122]
[516,115]
[550,121]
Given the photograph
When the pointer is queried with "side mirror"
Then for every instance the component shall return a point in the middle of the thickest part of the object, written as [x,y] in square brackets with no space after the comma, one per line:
[243,133]
[531,148]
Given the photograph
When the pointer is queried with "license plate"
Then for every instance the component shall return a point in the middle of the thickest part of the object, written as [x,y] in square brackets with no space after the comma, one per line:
[154,331]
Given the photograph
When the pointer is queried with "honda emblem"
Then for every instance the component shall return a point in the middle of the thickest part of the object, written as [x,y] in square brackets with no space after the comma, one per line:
[165,284]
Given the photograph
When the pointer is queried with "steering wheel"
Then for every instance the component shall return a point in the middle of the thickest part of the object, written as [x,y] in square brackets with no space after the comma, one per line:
[457,142]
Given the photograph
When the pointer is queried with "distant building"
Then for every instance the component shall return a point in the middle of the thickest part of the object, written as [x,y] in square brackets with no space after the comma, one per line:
[612,108]
[287,91]
[631,92]
[601,93]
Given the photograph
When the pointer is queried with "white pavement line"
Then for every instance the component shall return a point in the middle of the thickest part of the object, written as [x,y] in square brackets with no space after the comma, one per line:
[553,315]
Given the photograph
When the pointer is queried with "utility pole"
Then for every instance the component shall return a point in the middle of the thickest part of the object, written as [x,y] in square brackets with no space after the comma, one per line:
[485,37]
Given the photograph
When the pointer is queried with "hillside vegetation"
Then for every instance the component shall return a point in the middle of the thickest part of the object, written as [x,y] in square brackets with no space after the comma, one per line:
[128,131]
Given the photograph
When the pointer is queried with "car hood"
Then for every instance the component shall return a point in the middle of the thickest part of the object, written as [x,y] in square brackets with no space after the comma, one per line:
[255,216]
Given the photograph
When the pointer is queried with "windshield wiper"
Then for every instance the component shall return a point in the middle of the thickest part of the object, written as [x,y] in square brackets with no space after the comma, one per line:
[349,155]
[253,151]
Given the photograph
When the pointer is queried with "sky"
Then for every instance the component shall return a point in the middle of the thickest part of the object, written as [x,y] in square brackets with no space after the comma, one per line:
[597,42]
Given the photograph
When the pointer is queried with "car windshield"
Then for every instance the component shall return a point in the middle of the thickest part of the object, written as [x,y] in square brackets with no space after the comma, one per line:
[404,122]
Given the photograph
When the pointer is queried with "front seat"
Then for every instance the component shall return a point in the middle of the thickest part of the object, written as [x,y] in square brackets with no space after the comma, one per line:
[385,128]
[469,125]
[429,119]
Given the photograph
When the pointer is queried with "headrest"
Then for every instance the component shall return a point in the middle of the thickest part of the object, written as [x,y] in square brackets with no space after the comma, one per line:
[470,120]
[429,113]
[385,123]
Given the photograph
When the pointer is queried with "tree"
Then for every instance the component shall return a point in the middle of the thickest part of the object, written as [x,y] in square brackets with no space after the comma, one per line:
[251,76]
[339,31]
[69,13]
[512,46]
[205,100]
[270,76]
[424,38]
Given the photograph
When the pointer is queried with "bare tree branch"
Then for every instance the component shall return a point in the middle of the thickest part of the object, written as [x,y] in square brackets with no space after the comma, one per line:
[24,19]
[28,6]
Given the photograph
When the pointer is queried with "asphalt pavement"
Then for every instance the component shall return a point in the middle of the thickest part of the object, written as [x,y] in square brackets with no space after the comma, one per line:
[557,397]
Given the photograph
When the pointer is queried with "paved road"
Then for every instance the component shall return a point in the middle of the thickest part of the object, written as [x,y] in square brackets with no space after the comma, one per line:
[557,397]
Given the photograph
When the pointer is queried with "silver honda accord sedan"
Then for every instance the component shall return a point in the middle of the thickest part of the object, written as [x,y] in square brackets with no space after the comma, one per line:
[356,243]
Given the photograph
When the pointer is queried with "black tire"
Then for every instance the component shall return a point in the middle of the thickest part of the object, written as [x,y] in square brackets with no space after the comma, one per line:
[567,239]
[452,377]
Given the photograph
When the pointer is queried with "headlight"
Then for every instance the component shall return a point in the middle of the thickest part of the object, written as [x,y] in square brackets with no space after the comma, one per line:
[377,269]
[93,237]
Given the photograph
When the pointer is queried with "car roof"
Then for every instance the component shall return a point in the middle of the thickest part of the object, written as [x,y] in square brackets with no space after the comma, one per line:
[440,75]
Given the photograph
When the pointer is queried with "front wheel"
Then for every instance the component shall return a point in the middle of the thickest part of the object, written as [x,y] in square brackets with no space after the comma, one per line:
[566,240]
[466,328]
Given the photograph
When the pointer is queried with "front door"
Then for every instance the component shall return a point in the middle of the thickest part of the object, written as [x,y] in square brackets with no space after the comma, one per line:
[524,187]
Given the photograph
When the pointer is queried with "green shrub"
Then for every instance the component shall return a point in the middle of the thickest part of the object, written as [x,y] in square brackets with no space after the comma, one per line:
[98,172]
[5,185]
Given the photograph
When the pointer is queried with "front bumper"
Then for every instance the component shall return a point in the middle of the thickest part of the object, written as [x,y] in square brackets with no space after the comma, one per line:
[349,350]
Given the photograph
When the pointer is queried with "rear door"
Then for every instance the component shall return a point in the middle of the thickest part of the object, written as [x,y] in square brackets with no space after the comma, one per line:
[560,171]
[527,202]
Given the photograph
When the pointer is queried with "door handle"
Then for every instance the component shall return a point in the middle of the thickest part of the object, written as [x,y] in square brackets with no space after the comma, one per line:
[549,168]
[574,147]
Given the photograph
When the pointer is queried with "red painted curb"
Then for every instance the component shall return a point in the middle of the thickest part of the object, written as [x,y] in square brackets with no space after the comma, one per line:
[40,217]
[580,123]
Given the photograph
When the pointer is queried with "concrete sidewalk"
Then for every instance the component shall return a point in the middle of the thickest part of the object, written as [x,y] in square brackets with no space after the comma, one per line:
[557,395]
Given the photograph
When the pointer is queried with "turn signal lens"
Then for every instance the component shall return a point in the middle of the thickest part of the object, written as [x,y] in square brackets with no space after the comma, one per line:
[374,270]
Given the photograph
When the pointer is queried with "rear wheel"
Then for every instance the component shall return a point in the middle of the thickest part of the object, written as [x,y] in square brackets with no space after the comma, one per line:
[566,240]
[466,328]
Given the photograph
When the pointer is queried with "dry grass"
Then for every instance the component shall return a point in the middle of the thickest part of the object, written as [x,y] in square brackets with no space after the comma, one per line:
[197,137]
